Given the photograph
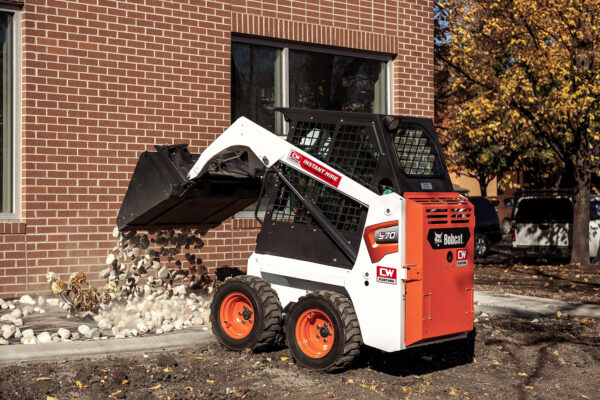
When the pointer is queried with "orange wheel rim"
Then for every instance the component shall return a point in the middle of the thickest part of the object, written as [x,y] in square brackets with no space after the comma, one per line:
[314,333]
[236,315]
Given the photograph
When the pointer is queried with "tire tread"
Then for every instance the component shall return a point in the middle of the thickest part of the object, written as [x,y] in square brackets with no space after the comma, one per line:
[352,336]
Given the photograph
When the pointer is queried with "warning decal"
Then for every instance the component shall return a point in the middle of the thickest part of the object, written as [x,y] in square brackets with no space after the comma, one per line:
[315,169]
[461,258]
[386,275]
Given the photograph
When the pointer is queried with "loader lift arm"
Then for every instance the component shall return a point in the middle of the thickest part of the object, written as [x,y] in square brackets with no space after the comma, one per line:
[238,157]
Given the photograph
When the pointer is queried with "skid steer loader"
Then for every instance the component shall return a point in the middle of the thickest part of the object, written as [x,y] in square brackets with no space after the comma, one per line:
[363,240]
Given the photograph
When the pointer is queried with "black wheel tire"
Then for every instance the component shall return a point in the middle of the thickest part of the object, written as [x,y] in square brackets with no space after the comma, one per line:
[482,245]
[267,313]
[347,339]
[506,226]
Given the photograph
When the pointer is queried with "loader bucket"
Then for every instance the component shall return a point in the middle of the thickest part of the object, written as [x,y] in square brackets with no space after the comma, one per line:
[160,195]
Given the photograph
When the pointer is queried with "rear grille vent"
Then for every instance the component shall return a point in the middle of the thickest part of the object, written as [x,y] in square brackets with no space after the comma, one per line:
[441,211]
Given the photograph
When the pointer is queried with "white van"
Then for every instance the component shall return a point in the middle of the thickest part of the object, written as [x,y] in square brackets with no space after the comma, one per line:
[542,226]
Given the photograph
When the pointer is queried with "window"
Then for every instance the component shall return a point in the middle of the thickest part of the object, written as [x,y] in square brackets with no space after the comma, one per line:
[268,74]
[7,154]
[255,84]
[334,82]
[416,152]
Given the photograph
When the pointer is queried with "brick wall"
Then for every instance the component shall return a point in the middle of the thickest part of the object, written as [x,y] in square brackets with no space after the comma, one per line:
[104,80]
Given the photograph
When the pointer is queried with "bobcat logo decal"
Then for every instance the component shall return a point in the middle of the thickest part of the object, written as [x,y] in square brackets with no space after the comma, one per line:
[438,238]
[448,238]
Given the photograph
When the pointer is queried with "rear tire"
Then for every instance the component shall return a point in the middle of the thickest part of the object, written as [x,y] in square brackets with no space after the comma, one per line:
[245,313]
[482,245]
[322,331]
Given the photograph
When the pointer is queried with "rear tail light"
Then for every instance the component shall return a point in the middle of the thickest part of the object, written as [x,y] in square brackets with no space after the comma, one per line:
[512,233]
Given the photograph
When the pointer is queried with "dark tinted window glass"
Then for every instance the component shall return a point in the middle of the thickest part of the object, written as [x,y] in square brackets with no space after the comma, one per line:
[483,207]
[416,152]
[594,210]
[6,131]
[544,210]
[333,82]
[253,73]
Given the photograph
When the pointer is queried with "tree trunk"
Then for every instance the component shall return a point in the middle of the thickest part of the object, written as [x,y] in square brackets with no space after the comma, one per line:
[483,187]
[581,216]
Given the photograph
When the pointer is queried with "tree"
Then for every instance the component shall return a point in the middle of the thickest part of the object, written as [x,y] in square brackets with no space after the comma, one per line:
[532,68]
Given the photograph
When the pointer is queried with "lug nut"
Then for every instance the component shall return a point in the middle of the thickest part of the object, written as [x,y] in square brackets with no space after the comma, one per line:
[318,336]
[243,321]
[318,326]
[249,320]
[325,340]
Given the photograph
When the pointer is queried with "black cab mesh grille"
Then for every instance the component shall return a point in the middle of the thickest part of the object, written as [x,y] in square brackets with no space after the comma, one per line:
[353,153]
[343,212]
[416,153]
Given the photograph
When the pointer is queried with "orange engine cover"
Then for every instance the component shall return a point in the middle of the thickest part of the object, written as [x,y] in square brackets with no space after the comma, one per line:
[439,260]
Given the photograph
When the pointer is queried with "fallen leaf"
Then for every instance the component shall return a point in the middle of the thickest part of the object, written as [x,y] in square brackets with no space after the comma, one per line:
[211,381]
[124,382]
[51,398]
[555,352]
[199,358]
[558,314]
[42,378]
[495,362]
[191,389]
[453,392]
[529,387]
[115,393]
[155,387]
[79,384]
[166,370]
[583,320]
[350,381]
[584,396]
[522,374]
[284,358]
[546,284]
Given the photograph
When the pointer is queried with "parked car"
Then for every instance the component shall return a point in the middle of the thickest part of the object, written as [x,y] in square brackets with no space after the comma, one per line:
[504,207]
[543,222]
[487,228]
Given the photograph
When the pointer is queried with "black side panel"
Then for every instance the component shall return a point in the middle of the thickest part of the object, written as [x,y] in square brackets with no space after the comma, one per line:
[159,194]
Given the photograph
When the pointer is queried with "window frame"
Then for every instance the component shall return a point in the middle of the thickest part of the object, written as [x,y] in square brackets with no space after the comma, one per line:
[285,46]
[15,214]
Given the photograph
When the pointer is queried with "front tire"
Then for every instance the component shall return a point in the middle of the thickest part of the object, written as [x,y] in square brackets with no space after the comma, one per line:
[482,245]
[245,313]
[322,331]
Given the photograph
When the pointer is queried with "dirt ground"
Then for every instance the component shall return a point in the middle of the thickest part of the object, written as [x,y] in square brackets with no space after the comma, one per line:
[551,358]
[514,358]
[541,278]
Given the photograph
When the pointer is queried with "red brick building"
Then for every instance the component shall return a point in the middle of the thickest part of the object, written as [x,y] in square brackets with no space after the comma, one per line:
[90,84]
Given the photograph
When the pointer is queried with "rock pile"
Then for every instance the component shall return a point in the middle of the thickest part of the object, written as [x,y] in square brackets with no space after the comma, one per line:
[151,281]
[150,276]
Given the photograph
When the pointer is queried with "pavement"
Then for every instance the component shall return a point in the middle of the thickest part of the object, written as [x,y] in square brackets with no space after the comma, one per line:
[198,338]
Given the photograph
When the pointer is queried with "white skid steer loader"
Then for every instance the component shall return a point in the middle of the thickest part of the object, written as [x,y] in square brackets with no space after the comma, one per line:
[363,240]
